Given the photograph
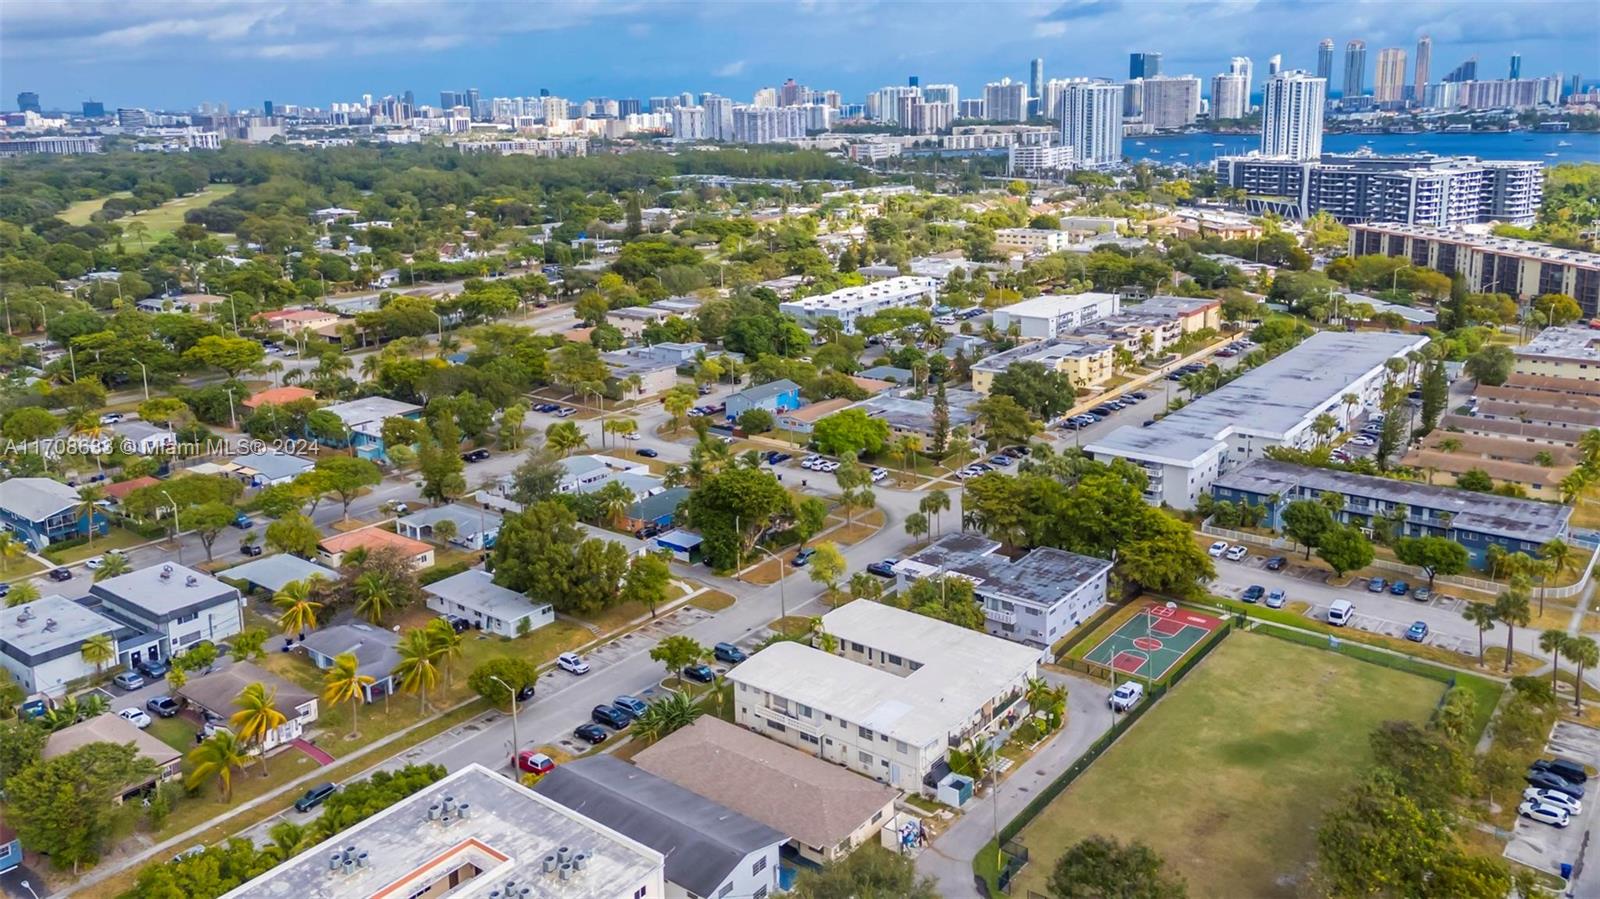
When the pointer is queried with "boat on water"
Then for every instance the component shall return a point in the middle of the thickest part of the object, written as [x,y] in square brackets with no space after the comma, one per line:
[1183,154]
[1563,143]
[1552,153]
[1138,143]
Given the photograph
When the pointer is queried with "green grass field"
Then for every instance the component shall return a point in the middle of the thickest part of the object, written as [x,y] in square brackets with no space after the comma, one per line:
[1228,777]
[161,221]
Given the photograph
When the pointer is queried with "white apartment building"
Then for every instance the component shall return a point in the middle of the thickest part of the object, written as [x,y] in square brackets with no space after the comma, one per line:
[1030,240]
[1091,122]
[1006,101]
[1229,97]
[1050,315]
[1291,115]
[1036,160]
[690,123]
[1273,405]
[853,303]
[900,691]
[1171,101]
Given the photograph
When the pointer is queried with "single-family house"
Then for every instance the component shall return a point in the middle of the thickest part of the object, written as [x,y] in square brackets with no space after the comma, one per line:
[585,474]
[293,321]
[272,573]
[179,605]
[474,596]
[805,418]
[117,491]
[376,651]
[215,692]
[141,438]
[658,509]
[634,546]
[110,728]
[277,396]
[364,419]
[474,528]
[776,397]
[42,511]
[331,550]
[270,467]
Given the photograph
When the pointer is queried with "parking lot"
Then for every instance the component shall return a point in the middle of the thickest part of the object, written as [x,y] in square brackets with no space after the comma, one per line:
[1545,847]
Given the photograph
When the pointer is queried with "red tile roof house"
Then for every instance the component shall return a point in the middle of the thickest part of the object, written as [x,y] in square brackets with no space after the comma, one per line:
[277,396]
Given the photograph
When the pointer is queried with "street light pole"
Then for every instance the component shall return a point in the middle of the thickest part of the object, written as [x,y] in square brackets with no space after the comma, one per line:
[516,742]
[144,374]
[177,526]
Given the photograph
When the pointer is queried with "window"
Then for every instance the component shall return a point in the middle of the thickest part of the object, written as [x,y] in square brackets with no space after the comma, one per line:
[760,893]
[893,659]
[802,710]
[185,619]
[901,747]
[857,647]
[780,704]
[759,866]
[641,892]
[807,738]
[775,725]
[726,889]
[864,757]
[864,732]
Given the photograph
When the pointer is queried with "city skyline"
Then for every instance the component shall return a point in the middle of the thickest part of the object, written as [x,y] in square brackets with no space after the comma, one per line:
[254,51]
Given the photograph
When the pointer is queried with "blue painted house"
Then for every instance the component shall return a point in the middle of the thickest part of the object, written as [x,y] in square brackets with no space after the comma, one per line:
[10,849]
[1474,520]
[776,397]
[41,511]
[364,419]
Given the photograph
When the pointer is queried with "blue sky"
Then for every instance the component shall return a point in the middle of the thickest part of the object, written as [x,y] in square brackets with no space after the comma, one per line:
[177,53]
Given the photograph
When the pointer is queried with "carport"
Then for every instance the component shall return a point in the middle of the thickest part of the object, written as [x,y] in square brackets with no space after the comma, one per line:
[684,546]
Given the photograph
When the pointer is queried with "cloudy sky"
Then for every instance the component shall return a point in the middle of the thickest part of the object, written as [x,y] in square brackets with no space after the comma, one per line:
[177,53]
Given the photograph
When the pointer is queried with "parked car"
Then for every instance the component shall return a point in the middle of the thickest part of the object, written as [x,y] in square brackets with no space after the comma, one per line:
[633,705]
[314,797]
[610,715]
[879,474]
[1417,632]
[5,589]
[699,673]
[164,706]
[883,568]
[647,452]
[477,455]
[128,680]
[1544,814]
[803,557]
[1276,563]
[155,669]
[1376,585]
[1237,553]
[535,762]
[1340,613]
[60,574]
[1126,696]
[251,549]
[1275,599]
[525,692]
[572,662]
[1551,797]
[243,522]
[1217,549]
[1422,594]
[591,733]
[1567,769]
[648,531]
[546,407]
[727,652]
[111,418]
[136,717]
[1253,593]
[1399,588]
[1548,780]
[93,563]
[566,411]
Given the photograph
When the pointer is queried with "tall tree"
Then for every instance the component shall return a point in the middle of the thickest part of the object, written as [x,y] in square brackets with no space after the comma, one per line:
[1511,608]
[417,671]
[1099,867]
[64,807]
[298,604]
[215,759]
[344,682]
[1480,615]
[257,718]
[677,652]
[346,477]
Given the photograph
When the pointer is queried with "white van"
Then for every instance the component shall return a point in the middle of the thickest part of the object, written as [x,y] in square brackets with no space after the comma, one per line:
[1340,613]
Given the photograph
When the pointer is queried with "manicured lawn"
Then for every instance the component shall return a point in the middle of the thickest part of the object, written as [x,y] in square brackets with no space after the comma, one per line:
[1227,778]
[165,219]
[116,538]
[175,732]
[78,213]
[712,601]
[20,568]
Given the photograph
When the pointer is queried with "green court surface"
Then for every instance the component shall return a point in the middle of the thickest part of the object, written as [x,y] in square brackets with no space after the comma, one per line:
[1150,643]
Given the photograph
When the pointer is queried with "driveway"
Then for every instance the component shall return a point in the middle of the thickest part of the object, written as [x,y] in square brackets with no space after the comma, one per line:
[948,859]
[1547,848]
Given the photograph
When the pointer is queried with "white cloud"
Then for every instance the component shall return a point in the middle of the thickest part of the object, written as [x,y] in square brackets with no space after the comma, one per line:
[731,70]
[1049,29]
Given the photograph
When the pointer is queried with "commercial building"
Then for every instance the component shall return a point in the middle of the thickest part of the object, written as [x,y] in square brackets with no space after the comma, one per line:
[475,596]
[68,145]
[1273,405]
[710,849]
[1192,313]
[1389,82]
[1091,122]
[1423,62]
[1355,71]
[1418,189]
[1325,58]
[901,690]
[1031,240]
[1086,362]
[1035,599]
[1521,268]
[474,832]
[179,605]
[42,510]
[1144,65]
[825,811]
[1006,101]
[1291,116]
[1050,315]
[1474,520]
[851,304]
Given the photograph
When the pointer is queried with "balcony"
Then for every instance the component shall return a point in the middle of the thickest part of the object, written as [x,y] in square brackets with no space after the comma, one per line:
[1000,616]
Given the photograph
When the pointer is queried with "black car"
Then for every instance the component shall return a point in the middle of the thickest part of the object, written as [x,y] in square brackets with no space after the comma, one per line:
[5,588]
[164,706]
[593,734]
[458,624]
[1567,769]
[883,568]
[546,407]
[477,455]
[1276,563]
[727,652]
[155,669]
[646,532]
[250,549]
[1546,780]
[1139,395]
[778,458]
[525,693]
[700,673]
[610,715]
[314,797]
[1253,593]
[60,574]
[1102,410]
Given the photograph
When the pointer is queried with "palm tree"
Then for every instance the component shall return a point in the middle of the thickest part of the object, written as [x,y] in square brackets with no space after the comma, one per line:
[375,596]
[565,437]
[344,682]
[257,718]
[1589,445]
[10,548]
[1585,653]
[1482,616]
[97,651]
[288,840]
[216,757]
[934,502]
[907,448]
[665,715]
[417,672]
[114,565]
[89,495]
[1553,641]
[1324,425]
[299,606]
[1558,553]
[446,645]
[1351,401]
[1511,607]
[22,593]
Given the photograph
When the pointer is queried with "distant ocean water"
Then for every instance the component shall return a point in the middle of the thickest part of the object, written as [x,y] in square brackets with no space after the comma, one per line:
[1585,147]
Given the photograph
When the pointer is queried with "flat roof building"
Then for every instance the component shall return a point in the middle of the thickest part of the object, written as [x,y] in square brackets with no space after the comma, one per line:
[1420,188]
[180,604]
[475,596]
[1522,269]
[1050,316]
[1572,353]
[470,834]
[850,304]
[1086,362]
[41,642]
[900,691]
[1272,405]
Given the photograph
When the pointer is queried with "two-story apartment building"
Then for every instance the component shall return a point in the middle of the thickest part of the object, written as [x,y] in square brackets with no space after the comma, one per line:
[1035,599]
[179,605]
[41,511]
[899,692]
[1086,362]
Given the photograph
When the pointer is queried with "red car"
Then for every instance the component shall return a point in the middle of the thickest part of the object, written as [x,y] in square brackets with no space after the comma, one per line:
[535,762]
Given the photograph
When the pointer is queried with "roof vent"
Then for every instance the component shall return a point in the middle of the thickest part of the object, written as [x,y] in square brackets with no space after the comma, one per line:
[190,581]
[580,860]
[566,871]
[166,572]
[49,624]
[549,864]
[563,854]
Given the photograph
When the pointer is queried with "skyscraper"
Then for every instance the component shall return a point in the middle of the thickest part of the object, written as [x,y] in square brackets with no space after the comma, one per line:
[1006,101]
[1325,59]
[1291,115]
[1228,99]
[1170,101]
[27,101]
[1274,64]
[1144,65]
[1036,88]
[93,109]
[1091,122]
[1467,71]
[1241,65]
[1389,82]
[1419,85]
[1355,68]
[1516,66]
